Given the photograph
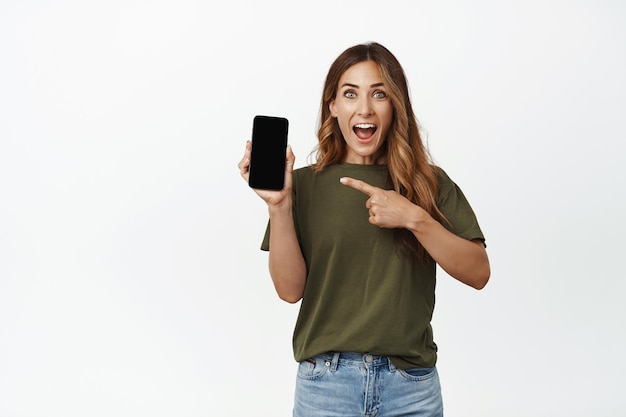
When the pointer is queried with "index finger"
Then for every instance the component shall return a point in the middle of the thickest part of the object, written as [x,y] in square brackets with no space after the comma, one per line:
[358,185]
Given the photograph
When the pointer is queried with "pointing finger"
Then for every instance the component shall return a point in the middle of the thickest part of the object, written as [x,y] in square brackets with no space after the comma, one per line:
[358,185]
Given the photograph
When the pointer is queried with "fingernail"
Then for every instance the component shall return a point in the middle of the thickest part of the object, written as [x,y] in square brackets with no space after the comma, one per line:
[342,180]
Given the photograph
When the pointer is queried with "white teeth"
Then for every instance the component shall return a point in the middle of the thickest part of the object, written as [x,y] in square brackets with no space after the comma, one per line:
[365,126]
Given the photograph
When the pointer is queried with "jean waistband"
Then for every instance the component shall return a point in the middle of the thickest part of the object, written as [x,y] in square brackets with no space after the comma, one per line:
[333,359]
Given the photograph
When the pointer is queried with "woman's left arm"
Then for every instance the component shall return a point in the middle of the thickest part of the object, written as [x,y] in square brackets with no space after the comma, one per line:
[465,260]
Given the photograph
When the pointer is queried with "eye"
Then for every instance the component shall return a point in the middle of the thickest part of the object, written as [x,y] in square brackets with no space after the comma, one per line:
[379,94]
[349,94]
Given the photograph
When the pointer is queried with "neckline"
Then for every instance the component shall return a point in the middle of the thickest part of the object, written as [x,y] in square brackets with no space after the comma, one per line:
[351,165]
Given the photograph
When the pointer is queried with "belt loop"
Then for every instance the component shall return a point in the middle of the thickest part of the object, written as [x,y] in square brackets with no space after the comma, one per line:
[335,362]
[392,367]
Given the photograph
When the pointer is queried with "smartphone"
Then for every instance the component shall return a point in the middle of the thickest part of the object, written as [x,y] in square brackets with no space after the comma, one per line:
[268,153]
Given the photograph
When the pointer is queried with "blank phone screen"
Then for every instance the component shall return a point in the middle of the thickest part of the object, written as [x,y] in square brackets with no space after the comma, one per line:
[267,156]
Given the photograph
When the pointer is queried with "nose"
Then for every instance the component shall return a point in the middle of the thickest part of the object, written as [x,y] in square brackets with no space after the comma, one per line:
[365,106]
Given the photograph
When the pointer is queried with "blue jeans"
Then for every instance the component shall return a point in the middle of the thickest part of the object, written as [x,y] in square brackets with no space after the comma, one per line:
[356,385]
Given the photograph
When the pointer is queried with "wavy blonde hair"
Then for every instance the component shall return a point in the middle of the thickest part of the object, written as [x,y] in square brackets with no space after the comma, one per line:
[411,170]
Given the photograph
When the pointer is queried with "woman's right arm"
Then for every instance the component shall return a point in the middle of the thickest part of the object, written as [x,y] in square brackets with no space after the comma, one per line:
[286,263]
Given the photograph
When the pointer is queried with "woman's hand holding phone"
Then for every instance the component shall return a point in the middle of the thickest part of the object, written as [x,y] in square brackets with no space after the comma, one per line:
[273,198]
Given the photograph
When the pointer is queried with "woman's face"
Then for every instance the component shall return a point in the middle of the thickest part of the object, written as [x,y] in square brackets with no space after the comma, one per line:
[363,111]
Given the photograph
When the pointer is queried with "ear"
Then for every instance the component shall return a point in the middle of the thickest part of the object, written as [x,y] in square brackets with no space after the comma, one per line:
[332,108]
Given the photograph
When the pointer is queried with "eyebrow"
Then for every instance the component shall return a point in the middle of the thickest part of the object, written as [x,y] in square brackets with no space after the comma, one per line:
[356,86]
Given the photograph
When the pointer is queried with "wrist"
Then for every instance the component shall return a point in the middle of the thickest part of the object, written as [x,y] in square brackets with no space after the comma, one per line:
[418,220]
[282,208]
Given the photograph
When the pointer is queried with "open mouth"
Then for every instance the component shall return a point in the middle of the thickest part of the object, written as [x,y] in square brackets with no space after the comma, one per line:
[364,130]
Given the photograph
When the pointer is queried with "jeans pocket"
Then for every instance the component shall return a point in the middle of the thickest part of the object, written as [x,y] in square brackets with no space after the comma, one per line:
[313,368]
[418,374]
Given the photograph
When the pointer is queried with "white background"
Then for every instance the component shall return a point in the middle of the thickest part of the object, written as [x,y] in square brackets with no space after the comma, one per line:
[131,280]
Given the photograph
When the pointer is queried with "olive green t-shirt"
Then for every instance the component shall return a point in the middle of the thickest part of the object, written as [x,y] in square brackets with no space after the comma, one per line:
[362,294]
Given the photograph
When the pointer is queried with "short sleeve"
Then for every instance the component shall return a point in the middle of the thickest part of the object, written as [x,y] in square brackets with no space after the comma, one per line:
[461,218]
[265,244]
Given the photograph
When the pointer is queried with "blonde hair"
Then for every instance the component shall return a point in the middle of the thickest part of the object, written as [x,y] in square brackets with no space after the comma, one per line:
[411,170]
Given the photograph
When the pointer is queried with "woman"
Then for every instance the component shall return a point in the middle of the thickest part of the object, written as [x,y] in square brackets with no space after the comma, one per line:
[356,236]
